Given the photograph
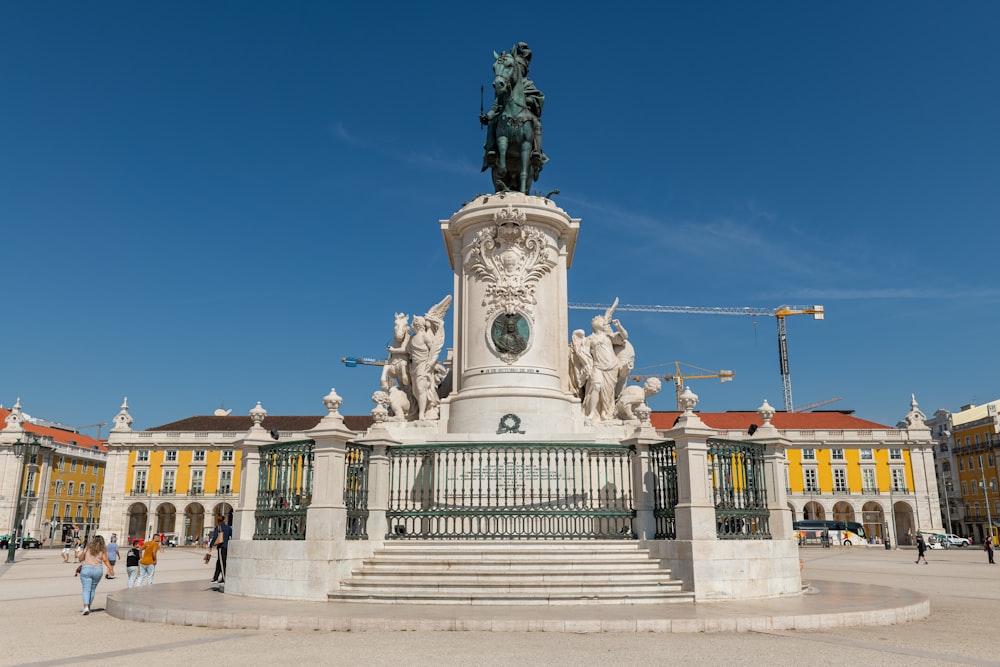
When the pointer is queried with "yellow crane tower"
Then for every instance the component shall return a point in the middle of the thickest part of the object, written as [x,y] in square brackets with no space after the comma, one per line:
[679,378]
[779,313]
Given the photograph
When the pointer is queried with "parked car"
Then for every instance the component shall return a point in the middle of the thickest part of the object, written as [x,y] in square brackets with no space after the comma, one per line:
[956,541]
[31,543]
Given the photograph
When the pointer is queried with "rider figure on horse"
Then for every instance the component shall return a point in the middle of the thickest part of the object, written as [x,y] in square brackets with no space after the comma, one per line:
[535,100]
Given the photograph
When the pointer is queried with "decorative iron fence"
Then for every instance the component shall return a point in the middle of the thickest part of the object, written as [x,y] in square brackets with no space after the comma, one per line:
[506,491]
[663,463]
[284,490]
[738,490]
[356,490]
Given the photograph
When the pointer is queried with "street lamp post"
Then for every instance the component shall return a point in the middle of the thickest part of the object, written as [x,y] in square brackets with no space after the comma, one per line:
[986,494]
[25,450]
[947,486]
[892,515]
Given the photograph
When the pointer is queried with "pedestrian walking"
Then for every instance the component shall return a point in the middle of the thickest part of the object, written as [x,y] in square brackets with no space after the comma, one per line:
[220,540]
[94,560]
[112,555]
[67,548]
[147,562]
[132,563]
[921,549]
[988,546]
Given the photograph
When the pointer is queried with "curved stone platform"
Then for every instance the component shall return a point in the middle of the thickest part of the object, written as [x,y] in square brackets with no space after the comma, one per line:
[826,604]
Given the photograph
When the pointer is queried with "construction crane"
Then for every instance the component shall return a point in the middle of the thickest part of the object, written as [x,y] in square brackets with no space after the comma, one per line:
[352,362]
[779,313]
[678,378]
[99,427]
[817,404]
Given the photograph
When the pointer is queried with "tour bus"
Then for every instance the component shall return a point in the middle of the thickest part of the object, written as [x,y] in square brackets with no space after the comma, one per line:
[840,533]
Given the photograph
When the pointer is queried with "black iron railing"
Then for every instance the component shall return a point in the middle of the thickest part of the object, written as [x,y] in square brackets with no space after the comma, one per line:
[663,463]
[738,490]
[356,490]
[508,491]
[284,490]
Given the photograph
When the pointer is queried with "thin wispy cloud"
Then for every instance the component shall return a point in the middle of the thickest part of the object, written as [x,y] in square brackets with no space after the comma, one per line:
[430,159]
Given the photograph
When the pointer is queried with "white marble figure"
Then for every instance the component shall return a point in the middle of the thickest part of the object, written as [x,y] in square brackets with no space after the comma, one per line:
[633,396]
[423,349]
[399,404]
[599,397]
[580,363]
[396,371]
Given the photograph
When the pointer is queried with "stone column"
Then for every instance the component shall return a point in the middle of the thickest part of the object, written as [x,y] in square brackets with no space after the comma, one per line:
[244,523]
[643,480]
[378,481]
[10,466]
[695,512]
[780,520]
[510,253]
[326,518]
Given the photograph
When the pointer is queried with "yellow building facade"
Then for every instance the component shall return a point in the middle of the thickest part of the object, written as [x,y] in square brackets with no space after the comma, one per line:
[973,464]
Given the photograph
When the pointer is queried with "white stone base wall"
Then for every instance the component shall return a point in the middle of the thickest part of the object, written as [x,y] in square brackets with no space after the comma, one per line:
[293,569]
[732,569]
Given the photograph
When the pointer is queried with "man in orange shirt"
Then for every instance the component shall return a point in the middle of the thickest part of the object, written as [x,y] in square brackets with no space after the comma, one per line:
[147,562]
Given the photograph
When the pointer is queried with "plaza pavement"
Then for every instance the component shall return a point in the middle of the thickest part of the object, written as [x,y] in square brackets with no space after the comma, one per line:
[41,624]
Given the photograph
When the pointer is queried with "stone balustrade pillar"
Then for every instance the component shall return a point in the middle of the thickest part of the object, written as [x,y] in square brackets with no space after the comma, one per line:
[378,482]
[695,511]
[244,522]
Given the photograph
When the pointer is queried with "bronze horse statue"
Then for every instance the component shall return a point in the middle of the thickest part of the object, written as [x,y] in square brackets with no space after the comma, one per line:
[513,148]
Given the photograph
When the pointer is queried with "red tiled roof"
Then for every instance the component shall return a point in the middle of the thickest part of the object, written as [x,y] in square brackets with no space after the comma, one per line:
[58,435]
[801,421]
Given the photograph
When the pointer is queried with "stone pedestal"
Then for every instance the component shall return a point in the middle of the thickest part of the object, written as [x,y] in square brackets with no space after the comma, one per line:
[510,253]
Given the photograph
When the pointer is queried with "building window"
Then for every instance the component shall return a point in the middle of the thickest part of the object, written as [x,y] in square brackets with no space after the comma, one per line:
[977,439]
[198,481]
[227,456]
[83,490]
[140,482]
[965,489]
[808,454]
[837,454]
[809,480]
[898,479]
[866,455]
[169,480]
[72,466]
[868,480]
[225,481]
[839,479]
[975,509]
[171,456]
[989,460]
[896,454]
[961,464]
[93,490]
[69,488]
[199,456]
[142,456]
[972,463]
[59,486]
[946,466]
[85,465]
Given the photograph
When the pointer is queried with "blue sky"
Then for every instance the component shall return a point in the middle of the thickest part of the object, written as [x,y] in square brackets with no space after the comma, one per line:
[207,203]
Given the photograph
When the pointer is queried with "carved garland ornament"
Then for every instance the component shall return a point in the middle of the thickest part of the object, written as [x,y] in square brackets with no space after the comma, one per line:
[509,257]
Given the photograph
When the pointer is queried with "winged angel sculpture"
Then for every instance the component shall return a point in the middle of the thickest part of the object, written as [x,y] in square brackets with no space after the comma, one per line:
[416,370]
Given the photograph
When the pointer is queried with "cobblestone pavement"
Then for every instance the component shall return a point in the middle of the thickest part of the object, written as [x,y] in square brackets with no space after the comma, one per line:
[41,624]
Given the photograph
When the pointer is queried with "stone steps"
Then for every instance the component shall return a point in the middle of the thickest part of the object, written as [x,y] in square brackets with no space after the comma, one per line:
[501,573]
